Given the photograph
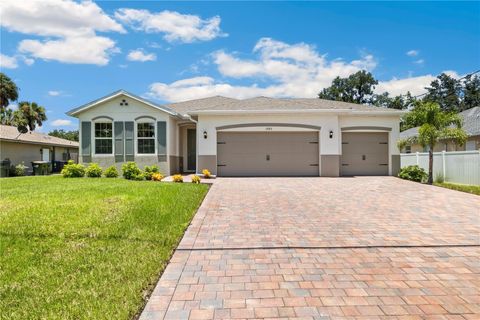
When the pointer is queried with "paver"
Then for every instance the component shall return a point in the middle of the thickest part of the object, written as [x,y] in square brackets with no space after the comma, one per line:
[317,248]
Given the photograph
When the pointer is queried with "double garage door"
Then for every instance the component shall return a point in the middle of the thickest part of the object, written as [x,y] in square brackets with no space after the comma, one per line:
[267,153]
[297,154]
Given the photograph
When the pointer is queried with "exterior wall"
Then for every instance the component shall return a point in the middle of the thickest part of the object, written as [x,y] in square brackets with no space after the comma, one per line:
[134,110]
[448,146]
[207,148]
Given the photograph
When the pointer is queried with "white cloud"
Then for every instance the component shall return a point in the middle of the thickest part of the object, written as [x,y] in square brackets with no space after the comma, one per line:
[61,123]
[54,93]
[72,25]
[140,55]
[419,61]
[8,62]
[296,70]
[176,27]
[412,53]
[416,85]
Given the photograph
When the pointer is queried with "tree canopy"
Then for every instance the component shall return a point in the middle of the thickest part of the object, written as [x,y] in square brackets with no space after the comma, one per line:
[8,91]
[68,135]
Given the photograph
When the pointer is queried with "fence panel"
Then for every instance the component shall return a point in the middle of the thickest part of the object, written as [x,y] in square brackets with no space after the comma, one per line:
[460,166]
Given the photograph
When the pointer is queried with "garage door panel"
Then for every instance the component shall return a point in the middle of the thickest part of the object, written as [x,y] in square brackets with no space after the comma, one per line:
[364,153]
[267,153]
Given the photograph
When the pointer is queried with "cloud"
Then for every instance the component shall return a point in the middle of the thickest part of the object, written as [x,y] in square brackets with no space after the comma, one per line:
[54,93]
[419,61]
[69,29]
[291,70]
[412,53]
[416,85]
[61,123]
[175,26]
[140,55]
[8,62]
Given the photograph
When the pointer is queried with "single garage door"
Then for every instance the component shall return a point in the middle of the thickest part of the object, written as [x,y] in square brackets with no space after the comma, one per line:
[267,153]
[364,153]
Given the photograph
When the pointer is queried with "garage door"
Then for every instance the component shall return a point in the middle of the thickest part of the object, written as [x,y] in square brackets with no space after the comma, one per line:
[364,154]
[267,153]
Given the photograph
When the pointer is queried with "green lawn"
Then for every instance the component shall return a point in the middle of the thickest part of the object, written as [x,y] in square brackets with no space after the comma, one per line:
[87,248]
[460,187]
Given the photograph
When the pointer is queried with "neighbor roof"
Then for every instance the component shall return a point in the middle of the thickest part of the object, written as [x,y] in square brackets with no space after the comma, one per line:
[471,124]
[220,103]
[10,133]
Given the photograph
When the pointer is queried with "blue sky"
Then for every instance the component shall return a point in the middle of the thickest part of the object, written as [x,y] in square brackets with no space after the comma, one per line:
[63,54]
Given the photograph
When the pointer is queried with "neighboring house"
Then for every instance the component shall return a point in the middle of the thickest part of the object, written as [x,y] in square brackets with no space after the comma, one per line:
[252,137]
[34,146]
[471,124]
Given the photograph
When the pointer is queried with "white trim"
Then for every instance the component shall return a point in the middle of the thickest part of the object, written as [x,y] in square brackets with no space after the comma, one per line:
[296,111]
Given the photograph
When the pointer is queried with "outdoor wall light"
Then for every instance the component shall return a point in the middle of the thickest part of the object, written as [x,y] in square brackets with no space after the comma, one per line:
[204,134]
[330,134]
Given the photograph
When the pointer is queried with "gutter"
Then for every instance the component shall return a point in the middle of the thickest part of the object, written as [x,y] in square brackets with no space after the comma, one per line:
[302,111]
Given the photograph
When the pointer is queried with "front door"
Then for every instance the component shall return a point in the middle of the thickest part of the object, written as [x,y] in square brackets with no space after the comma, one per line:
[191,149]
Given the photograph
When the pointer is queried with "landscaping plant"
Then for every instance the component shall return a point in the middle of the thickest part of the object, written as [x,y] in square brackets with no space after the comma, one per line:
[157,177]
[195,179]
[93,171]
[150,170]
[413,173]
[19,170]
[130,171]
[111,172]
[206,174]
[177,178]
[73,170]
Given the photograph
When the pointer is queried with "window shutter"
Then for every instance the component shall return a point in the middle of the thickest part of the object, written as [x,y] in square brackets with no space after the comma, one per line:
[162,140]
[119,141]
[86,148]
[129,139]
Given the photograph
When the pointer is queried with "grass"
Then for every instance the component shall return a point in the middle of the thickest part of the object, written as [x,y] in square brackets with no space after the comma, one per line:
[87,248]
[459,187]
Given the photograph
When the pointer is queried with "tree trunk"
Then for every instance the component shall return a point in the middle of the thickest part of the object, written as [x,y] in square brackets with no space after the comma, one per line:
[430,165]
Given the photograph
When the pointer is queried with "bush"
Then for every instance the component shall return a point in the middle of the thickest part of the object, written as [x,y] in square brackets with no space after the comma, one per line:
[73,170]
[138,177]
[439,178]
[130,170]
[19,170]
[195,179]
[111,172]
[206,174]
[157,177]
[177,178]
[150,171]
[93,171]
[413,173]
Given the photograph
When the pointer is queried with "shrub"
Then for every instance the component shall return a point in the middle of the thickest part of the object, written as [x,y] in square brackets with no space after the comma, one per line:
[150,171]
[111,172]
[157,177]
[413,173]
[195,179]
[19,170]
[206,174]
[93,171]
[439,178]
[138,177]
[177,178]
[130,170]
[73,170]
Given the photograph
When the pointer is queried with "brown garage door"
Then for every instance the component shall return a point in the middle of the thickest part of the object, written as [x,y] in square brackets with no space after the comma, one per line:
[364,154]
[267,153]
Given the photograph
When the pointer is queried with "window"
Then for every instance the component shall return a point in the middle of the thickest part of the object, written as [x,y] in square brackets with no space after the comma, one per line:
[145,138]
[408,149]
[103,138]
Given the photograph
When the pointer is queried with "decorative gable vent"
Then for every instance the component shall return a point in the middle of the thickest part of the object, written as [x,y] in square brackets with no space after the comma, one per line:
[124,102]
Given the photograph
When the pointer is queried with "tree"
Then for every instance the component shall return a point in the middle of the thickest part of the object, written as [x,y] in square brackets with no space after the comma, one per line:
[356,88]
[68,135]
[7,117]
[8,92]
[446,91]
[471,92]
[28,116]
[399,102]
[435,125]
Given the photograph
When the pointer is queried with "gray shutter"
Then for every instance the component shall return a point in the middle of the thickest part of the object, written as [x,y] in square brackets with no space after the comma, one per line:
[86,148]
[129,140]
[162,141]
[119,143]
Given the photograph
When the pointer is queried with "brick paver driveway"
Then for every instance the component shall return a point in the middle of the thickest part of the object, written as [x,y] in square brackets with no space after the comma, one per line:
[325,248]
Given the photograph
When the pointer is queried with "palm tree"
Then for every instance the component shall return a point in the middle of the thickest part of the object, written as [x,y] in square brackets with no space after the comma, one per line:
[7,117]
[434,125]
[28,116]
[8,91]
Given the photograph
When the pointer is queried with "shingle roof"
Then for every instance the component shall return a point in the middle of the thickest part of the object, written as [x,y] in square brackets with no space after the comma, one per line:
[219,103]
[10,133]
[471,124]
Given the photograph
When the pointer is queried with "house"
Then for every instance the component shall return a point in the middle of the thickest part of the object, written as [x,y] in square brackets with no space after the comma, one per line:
[471,124]
[34,146]
[251,137]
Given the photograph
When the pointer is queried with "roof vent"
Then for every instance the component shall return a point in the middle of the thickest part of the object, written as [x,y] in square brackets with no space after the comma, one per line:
[124,102]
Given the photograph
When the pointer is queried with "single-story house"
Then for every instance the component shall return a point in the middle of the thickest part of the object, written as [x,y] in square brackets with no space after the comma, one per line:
[251,137]
[34,146]
[471,124]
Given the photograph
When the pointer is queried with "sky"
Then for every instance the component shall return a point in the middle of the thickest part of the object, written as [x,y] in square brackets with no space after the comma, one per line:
[62,54]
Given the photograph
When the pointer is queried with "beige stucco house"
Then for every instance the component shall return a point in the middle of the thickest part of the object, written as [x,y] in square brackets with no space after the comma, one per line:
[251,137]
[34,146]
[471,124]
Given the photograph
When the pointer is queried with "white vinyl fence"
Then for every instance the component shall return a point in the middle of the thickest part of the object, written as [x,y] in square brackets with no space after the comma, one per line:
[455,166]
